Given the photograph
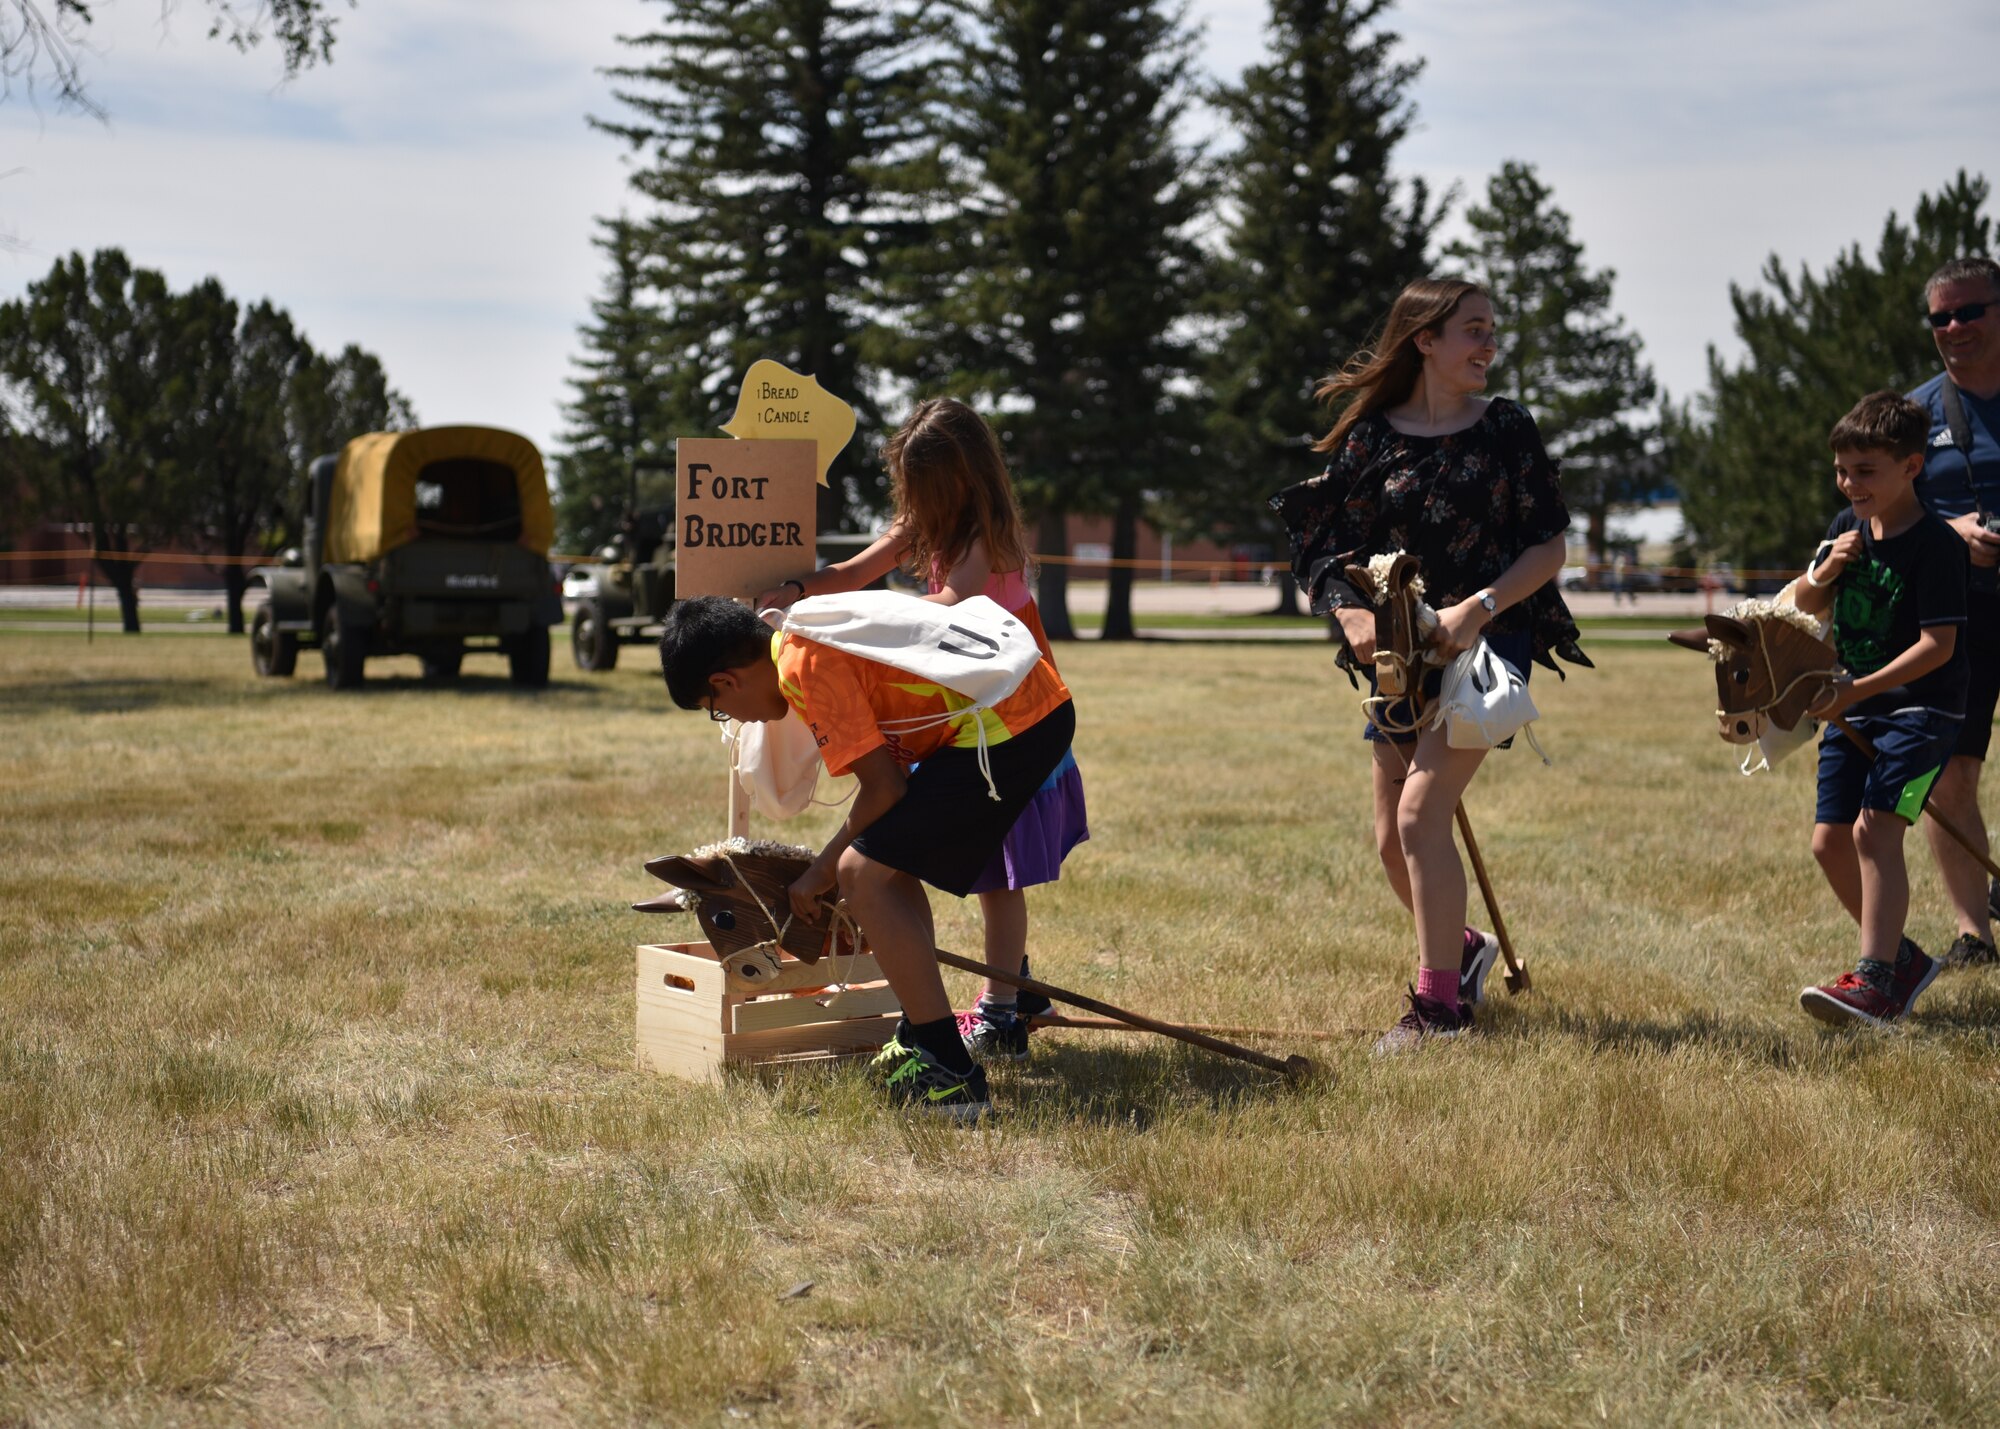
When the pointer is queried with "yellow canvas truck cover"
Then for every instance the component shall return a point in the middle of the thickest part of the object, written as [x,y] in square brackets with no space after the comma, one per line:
[373,508]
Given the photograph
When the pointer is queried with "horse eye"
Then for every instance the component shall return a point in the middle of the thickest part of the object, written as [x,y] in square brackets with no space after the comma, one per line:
[1741,677]
[725,919]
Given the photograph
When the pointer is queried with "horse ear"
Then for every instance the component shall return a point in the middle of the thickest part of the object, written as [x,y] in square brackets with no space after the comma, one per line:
[1729,631]
[685,872]
[1362,579]
[1690,640]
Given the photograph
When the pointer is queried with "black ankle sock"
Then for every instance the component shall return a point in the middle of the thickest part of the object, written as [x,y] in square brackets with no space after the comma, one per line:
[941,1040]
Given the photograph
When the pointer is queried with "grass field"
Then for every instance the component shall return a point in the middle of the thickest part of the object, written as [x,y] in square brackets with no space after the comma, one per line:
[318,1104]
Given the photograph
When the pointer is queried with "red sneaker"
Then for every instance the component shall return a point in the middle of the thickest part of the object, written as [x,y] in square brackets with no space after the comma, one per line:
[1918,971]
[1848,999]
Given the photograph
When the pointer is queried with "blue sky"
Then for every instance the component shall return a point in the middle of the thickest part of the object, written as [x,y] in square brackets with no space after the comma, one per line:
[431,195]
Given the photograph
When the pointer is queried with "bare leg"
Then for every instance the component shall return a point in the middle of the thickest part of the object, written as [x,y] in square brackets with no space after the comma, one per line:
[1833,845]
[1439,776]
[1885,883]
[895,916]
[1005,913]
[1956,795]
[1391,769]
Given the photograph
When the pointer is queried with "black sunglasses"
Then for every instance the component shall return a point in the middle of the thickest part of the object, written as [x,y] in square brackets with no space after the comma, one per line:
[1970,313]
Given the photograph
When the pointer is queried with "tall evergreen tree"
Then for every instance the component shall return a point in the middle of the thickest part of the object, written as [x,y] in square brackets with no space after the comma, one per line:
[1070,269]
[1564,354]
[1320,238]
[786,147]
[81,361]
[1749,455]
[628,407]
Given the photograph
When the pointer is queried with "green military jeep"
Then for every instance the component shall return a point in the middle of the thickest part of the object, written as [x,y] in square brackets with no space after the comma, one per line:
[427,543]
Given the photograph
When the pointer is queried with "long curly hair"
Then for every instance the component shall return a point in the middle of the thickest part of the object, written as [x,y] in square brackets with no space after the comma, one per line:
[1385,372]
[950,486]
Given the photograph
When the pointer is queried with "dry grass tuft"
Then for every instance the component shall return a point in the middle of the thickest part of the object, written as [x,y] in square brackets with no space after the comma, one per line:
[317,1101]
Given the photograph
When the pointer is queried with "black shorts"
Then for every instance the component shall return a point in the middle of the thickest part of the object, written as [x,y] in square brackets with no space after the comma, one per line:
[1981,634]
[947,826]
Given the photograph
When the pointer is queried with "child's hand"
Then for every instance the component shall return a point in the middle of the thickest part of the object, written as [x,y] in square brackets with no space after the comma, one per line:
[778,597]
[1835,702]
[809,887]
[1843,547]
[1459,626]
[1358,625]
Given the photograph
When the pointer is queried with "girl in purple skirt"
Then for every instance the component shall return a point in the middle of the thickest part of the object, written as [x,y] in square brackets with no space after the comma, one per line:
[957,528]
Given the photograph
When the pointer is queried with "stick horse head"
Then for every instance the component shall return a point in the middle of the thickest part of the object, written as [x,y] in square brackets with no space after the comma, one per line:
[737,891]
[1403,623]
[1771,666]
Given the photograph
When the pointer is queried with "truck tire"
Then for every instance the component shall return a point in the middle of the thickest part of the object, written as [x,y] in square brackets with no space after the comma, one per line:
[593,643]
[344,644]
[273,652]
[442,666]
[528,658]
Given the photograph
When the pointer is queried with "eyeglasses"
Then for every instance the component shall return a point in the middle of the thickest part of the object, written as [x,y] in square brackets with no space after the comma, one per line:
[715,716]
[1970,313]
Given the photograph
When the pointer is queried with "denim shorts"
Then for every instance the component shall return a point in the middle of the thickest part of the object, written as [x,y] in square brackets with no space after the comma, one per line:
[1911,747]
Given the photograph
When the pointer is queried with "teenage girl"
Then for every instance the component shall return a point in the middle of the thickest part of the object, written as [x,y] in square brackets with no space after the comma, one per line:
[956,528]
[1420,460]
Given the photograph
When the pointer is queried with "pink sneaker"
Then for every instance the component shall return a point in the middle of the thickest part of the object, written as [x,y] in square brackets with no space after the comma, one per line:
[1848,999]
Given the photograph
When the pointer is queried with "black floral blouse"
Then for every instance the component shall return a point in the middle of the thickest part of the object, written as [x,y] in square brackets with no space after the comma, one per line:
[1465,505]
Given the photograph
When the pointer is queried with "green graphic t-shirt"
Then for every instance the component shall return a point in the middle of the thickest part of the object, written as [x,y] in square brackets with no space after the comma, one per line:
[1886,595]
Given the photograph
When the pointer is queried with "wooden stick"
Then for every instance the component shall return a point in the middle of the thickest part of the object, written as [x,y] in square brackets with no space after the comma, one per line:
[1106,1024]
[1292,1066]
[1863,743]
[1517,974]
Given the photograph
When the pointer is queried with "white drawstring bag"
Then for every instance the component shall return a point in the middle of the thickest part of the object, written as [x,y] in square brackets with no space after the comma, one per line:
[1484,701]
[776,763]
[975,649]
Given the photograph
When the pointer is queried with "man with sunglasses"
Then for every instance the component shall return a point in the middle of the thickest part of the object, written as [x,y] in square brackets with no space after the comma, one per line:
[1961,482]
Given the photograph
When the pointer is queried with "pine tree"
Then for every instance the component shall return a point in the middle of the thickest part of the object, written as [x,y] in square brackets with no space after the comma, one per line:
[785,148]
[1750,454]
[81,355]
[1070,268]
[1564,354]
[629,406]
[1320,239]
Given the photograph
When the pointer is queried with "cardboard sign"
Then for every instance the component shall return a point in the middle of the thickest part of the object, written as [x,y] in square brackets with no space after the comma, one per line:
[744,515]
[776,402]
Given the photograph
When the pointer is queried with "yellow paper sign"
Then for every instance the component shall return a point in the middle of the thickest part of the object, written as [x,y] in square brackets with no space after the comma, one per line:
[778,402]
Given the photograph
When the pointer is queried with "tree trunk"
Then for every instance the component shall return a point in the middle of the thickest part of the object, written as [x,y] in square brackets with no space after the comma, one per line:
[1118,589]
[1599,515]
[1288,594]
[123,577]
[1052,586]
[235,580]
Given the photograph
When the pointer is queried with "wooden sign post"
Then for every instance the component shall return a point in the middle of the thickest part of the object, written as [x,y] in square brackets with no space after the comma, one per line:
[744,515]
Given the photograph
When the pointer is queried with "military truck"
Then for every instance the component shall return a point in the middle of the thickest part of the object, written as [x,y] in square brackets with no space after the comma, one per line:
[431,543]
[623,595]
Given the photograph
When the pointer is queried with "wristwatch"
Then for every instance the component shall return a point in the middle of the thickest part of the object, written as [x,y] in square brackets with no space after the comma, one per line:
[1486,598]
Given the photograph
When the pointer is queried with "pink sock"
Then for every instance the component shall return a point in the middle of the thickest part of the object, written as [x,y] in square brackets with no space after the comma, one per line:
[1472,938]
[1438,985]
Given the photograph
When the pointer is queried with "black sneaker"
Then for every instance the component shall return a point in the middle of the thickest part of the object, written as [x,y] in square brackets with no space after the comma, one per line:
[1969,950]
[1993,899]
[1425,1021]
[989,1039]
[1476,964]
[1031,1004]
[918,1080]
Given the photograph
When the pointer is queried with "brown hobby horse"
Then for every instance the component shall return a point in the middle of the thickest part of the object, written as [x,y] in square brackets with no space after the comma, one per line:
[1402,637]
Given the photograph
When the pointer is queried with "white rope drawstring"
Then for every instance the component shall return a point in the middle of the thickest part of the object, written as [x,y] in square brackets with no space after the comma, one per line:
[921,722]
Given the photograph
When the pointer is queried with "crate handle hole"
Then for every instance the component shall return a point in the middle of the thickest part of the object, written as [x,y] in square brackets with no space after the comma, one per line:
[685,984]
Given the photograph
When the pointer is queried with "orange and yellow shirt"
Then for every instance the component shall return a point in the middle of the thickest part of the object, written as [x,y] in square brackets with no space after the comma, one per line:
[846,701]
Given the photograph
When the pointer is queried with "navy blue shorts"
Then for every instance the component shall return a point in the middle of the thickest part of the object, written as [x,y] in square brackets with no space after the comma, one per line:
[1911,747]
[1516,649]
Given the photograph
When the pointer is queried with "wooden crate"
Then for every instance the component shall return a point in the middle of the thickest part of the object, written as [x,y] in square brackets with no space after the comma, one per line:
[692,1024]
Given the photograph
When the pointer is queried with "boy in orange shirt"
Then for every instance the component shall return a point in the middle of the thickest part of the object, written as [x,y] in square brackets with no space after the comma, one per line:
[940,824]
